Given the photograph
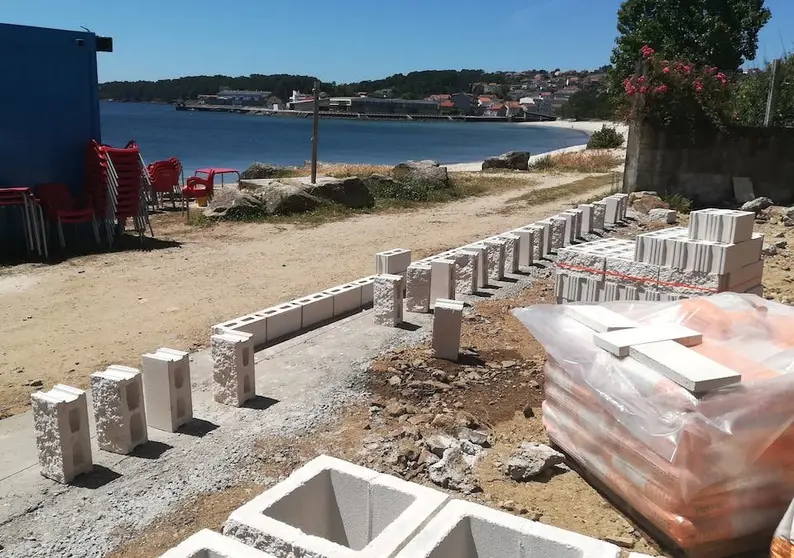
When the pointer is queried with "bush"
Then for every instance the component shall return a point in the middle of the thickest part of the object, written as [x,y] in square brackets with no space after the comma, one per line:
[678,202]
[605,138]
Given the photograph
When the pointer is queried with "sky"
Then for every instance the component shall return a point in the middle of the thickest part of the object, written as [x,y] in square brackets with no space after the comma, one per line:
[348,40]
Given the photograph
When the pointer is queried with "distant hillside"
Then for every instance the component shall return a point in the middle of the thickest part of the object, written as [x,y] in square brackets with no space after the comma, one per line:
[415,85]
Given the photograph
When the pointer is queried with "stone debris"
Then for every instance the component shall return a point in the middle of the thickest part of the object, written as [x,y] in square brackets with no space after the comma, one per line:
[757,205]
[455,471]
[513,160]
[667,216]
[532,459]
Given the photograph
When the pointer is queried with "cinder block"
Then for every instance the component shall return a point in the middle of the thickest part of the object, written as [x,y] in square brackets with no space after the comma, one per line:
[558,238]
[117,395]
[417,289]
[726,226]
[512,250]
[612,214]
[388,304]
[587,217]
[315,308]
[582,260]
[577,216]
[465,271]
[495,250]
[60,424]
[282,320]
[689,369]
[234,381]
[629,272]
[447,319]
[392,262]
[570,227]
[367,285]
[659,215]
[442,280]
[599,215]
[544,240]
[482,262]
[347,298]
[598,318]
[167,397]
[330,508]
[209,544]
[526,245]
[619,342]
[255,324]
[467,530]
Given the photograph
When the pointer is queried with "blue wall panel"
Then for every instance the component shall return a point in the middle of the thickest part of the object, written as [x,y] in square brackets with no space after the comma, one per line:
[49,105]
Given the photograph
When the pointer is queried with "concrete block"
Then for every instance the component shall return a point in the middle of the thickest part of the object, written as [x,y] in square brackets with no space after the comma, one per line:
[612,215]
[570,227]
[757,290]
[527,245]
[282,320]
[465,271]
[442,280]
[629,272]
[512,251]
[577,215]
[495,251]
[482,262]
[60,425]
[315,308]
[619,342]
[585,261]
[346,298]
[599,215]
[330,508]
[666,216]
[726,226]
[255,324]
[120,418]
[209,544]
[558,238]
[447,319]
[388,304]
[367,285]
[234,381]
[417,288]
[689,369]
[392,262]
[168,398]
[598,318]
[542,245]
[467,530]
[712,257]
[587,217]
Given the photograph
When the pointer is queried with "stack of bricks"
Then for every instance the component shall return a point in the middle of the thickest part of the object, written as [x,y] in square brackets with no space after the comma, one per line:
[719,252]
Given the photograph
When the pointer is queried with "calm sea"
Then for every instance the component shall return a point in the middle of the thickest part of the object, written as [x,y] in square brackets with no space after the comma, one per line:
[202,139]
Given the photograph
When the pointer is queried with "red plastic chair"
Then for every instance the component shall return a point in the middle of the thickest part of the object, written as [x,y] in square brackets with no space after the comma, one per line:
[61,208]
[22,198]
[165,178]
[197,187]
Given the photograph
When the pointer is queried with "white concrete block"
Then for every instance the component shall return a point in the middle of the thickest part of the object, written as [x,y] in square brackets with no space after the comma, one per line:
[612,214]
[465,271]
[330,508]
[167,397]
[417,288]
[234,381]
[388,304]
[512,251]
[726,226]
[282,320]
[482,262]
[447,319]
[660,215]
[587,217]
[599,215]
[120,418]
[619,342]
[495,250]
[347,298]
[542,240]
[467,530]
[689,369]
[625,270]
[577,216]
[315,308]
[392,262]
[60,425]
[558,238]
[526,245]
[570,227]
[442,280]
[367,285]
[598,318]
[209,544]
[255,324]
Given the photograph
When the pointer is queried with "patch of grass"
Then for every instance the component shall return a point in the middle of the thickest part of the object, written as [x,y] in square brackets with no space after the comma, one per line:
[678,202]
[576,188]
[605,138]
[595,161]
[336,170]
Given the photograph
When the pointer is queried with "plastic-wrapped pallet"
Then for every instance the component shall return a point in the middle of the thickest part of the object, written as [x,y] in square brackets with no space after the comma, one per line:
[782,545]
[712,470]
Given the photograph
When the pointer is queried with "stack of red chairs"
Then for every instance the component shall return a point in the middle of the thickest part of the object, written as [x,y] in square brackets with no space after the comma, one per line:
[61,208]
[165,178]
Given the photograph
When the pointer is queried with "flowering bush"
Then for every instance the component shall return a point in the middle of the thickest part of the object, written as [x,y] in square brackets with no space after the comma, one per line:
[677,95]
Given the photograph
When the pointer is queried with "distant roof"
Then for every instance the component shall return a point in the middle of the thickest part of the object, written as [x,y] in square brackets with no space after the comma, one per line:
[243,92]
[446,104]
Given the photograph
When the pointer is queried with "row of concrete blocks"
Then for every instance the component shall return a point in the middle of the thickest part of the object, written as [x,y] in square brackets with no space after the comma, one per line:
[331,508]
[124,402]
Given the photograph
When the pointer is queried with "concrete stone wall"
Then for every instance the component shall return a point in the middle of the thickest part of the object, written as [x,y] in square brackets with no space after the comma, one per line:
[702,168]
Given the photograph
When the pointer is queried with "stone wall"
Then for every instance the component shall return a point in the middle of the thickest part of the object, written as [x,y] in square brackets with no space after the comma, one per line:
[702,168]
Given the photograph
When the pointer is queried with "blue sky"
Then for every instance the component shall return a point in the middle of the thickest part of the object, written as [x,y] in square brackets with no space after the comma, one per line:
[348,40]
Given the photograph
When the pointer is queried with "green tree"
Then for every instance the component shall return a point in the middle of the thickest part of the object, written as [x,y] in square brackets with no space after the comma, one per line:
[588,103]
[750,96]
[721,33]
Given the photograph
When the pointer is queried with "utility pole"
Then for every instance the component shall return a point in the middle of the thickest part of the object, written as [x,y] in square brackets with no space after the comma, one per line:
[771,100]
[315,130]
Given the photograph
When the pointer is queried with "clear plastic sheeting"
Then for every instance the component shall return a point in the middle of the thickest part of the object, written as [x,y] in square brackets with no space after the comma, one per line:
[704,468]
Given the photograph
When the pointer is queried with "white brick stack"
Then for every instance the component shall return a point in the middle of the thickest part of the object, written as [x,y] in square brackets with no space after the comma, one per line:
[117,395]
[167,391]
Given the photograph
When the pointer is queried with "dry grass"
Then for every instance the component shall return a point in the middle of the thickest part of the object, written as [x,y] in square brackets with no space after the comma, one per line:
[591,161]
[572,189]
[339,170]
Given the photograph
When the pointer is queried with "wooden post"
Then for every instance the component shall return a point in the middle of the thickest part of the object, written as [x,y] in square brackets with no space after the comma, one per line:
[315,130]
[771,100]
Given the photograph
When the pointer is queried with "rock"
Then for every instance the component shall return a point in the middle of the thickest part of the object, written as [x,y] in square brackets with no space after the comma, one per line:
[230,202]
[443,421]
[532,459]
[780,235]
[528,411]
[466,419]
[508,505]
[425,172]
[439,443]
[788,213]
[454,472]
[280,198]
[395,409]
[781,244]
[757,205]
[474,436]
[667,216]
[422,418]
[395,381]
[406,451]
[634,196]
[350,192]
[36,383]
[621,541]
[427,458]
[647,203]
[508,363]
[769,250]
[468,448]
[382,185]
[262,170]
[514,160]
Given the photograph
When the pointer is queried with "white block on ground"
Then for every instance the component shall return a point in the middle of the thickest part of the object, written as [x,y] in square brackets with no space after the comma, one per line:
[447,319]
[543,241]
[168,398]
[331,508]
[512,250]
[577,219]
[558,239]
[612,214]
[347,298]
[726,226]
[599,215]
[60,425]
[388,303]
[587,217]
[598,318]
[688,368]
[120,418]
[570,227]
[442,280]
[367,285]
[209,544]
[619,342]
[659,215]
[526,245]
[417,288]
[255,324]
[315,308]
[495,250]
[467,530]
[233,377]
[392,262]
[465,271]
[282,320]
[482,262]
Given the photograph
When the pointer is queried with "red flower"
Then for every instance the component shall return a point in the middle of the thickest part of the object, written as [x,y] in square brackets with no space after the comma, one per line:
[687,69]
[644,89]
[661,89]
[641,80]
[698,86]
[666,70]
[647,51]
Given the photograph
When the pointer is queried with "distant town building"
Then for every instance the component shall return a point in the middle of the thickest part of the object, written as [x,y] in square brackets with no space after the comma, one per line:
[239,97]
[373,105]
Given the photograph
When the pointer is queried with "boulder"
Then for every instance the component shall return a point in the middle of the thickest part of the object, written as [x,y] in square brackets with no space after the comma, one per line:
[454,471]
[439,443]
[284,199]
[262,170]
[646,203]
[350,192]
[382,185]
[230,202]
[513,160]
[427,172]
[757,205]
[789,213]
[667,216]
[634,196]
[532,459]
